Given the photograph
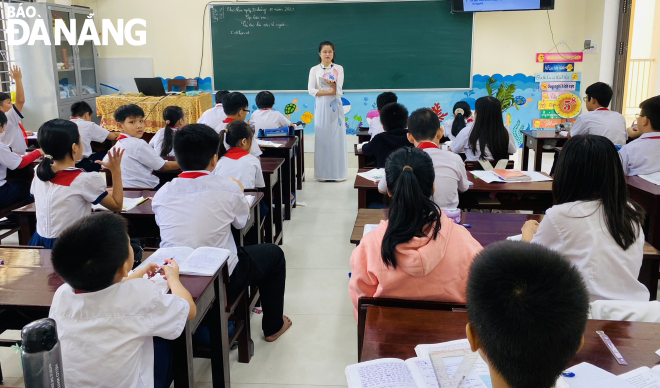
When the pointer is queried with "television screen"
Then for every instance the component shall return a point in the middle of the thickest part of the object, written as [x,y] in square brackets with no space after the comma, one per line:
[500,5]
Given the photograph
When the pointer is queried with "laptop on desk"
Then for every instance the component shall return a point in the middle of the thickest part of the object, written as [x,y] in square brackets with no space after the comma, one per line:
[152,87]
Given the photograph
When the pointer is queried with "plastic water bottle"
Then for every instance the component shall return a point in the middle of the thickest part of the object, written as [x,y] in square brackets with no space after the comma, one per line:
[41,355]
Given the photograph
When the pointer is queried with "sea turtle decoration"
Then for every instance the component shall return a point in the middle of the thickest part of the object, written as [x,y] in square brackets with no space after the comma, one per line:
[290,108]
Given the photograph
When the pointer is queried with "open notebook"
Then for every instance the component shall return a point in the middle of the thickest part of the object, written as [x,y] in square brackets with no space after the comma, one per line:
[643,377]
[203,261]
[128,204]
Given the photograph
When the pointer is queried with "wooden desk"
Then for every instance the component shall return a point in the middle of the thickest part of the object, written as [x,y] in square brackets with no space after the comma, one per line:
[300,157]
[274,224]
[491,227]
[647,195]
[363,135]
[394,332]
[29,283]
[535,196]
[288,168]
[535,140]
[141,220]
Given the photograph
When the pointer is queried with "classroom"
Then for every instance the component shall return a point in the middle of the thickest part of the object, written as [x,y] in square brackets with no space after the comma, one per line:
[330,193]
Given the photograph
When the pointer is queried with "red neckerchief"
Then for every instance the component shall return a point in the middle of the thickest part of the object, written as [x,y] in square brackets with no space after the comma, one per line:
[602,109]
[66,177]
[469,120]
[266,109]
[427,144]
[651,137]
[227,120]
[192,174]
[235,153]
[79,292]
[20,125]
[122,136]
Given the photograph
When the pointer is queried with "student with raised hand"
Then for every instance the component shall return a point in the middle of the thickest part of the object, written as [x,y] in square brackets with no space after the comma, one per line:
[214,116]
[113,327]
[462,118]
[527,311]
[162,140]
[594,224]
[394,117]
[376,127]
[237,162]
[235,105]
[64,194]
[81,115]
[488,138]
[418,253]
[14,135]
[266,117]
[642,156]
[598,120]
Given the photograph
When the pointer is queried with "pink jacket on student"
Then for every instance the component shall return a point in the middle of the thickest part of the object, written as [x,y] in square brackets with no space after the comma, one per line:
[426,269]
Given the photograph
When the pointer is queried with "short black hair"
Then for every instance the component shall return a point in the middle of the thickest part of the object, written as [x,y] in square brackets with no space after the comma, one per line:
[126,111]
[79,108]
[88,253]
[195,145]
[394,116]
[423,124]
[233,102]
[219,95]
[528,308]
[265,100]
[601,91]
[4,96]
[651,110]
[3,118]
[384,99]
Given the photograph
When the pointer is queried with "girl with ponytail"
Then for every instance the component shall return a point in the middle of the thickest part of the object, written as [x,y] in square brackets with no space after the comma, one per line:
[462,118]
[162,140]
[63,194]
[237,162]
[418,253]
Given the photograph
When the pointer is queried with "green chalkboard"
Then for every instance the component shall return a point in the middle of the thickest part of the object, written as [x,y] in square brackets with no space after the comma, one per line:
[380,44]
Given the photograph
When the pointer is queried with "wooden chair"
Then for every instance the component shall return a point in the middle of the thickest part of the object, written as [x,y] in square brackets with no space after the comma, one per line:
[472,166]
[182,84]
[365,302]
[12,228]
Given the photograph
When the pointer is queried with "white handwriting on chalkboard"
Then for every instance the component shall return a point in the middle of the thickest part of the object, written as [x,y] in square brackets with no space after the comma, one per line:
[248,10]
[239,32]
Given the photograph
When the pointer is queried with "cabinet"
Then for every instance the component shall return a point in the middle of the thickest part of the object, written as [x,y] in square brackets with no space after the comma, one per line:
[56,76]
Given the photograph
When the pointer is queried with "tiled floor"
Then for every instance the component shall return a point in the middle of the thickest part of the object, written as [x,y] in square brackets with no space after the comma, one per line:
[323,338]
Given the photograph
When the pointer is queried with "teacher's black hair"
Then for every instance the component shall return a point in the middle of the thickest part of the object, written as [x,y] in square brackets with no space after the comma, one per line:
[327,43]
[489,130]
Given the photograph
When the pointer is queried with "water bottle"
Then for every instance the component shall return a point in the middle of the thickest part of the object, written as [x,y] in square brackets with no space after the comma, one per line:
[41,355]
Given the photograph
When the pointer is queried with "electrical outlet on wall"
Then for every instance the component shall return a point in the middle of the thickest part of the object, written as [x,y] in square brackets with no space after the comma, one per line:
[590,47]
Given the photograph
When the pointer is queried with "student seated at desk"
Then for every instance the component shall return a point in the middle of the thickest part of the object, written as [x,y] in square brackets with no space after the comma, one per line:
[140,160]
[81,115]
[488,138]
[450,175]
[12,192]
[642,156]
[598,120]
[162,140]
[376,127]
[237,162]
[394,117]
[462,118]
[236,108]
[594,224]
[14,135]
[527,309]
[113,326]
[198,209]
[266,117]
[214,116]
[64,194]
[418,253]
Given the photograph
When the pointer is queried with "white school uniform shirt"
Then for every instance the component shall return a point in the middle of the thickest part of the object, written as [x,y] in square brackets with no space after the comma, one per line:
[254,149]
[578,231]
[268,119]
[89,132]
[642,155]
[603,122]
[156,142]
[461,142]
[213,117]
[138,163]
[199,212]
[106,337]
[8,160]
[13,136]
[446,126]
[65,199]
[450,177]
[246,169]
[375,127]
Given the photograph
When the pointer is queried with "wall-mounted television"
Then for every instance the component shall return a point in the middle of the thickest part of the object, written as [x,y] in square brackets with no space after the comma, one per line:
[500,5]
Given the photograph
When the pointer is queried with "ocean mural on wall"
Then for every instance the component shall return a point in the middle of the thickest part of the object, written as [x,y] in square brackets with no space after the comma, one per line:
[519,95]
